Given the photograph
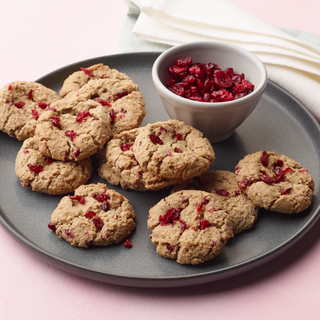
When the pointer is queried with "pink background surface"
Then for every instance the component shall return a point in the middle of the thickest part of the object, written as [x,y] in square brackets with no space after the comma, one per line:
[38,37]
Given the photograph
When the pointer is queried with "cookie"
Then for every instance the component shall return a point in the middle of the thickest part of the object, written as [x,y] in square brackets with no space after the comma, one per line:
[120,97]
[118,165]
[43,174]
[21,104]
[173,149]
[224,184]
[95,215]
[73,129]
[190,226]
[79,78]
[274,182]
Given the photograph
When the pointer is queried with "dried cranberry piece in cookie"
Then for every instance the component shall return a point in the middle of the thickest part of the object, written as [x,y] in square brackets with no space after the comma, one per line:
[265,177]
[221,79]
[222,192]
[19,104]
[82,115]
[71,134]
[155,139]
[125,147]
[201,204]
[35,114]
[105,206]
[35,167]
[284,192]
[78,198]
[121,94]
[102,197]
[52,226]
[30,94]
[98,222]
[204,224]
[43,105]
[170,248]
[264,158]
[112,115]
[177,150]
[90,214]
[171,215]
[103,102]
[183,225]
[87,71]
[55,121]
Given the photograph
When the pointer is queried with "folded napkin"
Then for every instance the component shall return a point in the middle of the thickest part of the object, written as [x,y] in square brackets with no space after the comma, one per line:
[290,62]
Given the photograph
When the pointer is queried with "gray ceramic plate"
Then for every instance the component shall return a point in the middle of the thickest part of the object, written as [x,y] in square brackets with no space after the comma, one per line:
[279,123]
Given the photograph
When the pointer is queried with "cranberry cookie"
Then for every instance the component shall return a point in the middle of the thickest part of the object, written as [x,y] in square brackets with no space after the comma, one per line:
[21,104]
[95,215]
[224,184]
[79,78]
[190,226]
[46,175]
[118,165]
[172,150]
[274,182]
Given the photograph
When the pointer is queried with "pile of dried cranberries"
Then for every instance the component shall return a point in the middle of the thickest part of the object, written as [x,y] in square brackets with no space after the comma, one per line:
[206,82]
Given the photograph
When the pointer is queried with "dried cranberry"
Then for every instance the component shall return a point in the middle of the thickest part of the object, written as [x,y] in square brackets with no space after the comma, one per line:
[221,95]
[103,102]
[170,248]
[221,79]
[279,174]
[178,89]
[87,71]
[112,115]
[243,184]
[264,158]
[128,244]
[71,134]
[178,136]
[19,104]
[284,192]
[278,163]
[49,160]
[121,94]
[125,147]
[30,94]
[265,177]
[177,150]
[90,214]
[10,103]
[10,87]
[43,105]
[102,197]
[155,139]
[98,222]
[76,153]
[82,115]
[236,193]
[35,114]
[183,225]
[222,192]
[183,62]
[52,226]
[200,205]
[204,224]
[55,121]
[78,198]
[51,109]
[171,215]
[105,206]
[35,167]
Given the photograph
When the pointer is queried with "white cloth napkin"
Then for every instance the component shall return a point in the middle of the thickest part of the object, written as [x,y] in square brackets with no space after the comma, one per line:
[290,62]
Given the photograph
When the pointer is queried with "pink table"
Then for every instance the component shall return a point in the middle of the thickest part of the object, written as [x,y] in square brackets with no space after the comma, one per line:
[38,37]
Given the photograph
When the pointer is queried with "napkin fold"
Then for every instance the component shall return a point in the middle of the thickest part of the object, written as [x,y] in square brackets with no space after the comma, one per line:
[290,62]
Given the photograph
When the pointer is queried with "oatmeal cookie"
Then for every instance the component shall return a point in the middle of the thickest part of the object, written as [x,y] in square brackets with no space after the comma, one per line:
[79,78]
[224,184]
[190,226]
[46,175]
[274,182]
[95,215]
[173,149]
[21,104]
[118,165]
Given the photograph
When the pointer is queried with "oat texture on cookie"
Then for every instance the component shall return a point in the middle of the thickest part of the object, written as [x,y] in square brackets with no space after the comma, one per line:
[224,184]
[43,174]
[21,104]
[173,149]
[95,215]
[190,226]
[275,182]
[119,166]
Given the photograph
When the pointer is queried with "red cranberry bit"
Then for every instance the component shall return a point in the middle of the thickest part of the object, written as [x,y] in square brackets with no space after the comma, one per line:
[25,151]
[265,177]
[178,90]
[178,136]
[90,214]
[52,226]
[76,153]
[87,71]
[121,94]
[204,224]
[71,134]
[82,115]
[10,103]
[55,121]
[236,193]
[69,234]
[10,87]
[264,158]
[221,79]
[220,96]
[78,198]
[98,222]
[30,94]
[243,184]
[222,192]
[279,174]
[170,248]
[51,109]
[284,192]
[49,160]
[200,205]
[105,206]
[128,244]
[183,225]
[184,62]
[43,105]
[177,150]
[171,215]
[155,139]
[35,114]
[278,163]
[35,167]
[125,147]
[102,197]
[19,104]
[103,102]
[112,115]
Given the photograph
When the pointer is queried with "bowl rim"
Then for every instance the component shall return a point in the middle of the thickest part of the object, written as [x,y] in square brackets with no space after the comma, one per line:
[163,90]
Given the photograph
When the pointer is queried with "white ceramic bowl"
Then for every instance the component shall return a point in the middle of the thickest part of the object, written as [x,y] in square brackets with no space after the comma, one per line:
[217,120]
